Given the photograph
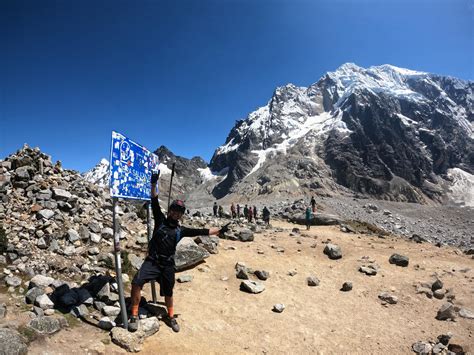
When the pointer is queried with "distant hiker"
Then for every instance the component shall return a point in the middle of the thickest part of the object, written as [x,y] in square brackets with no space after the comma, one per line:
[246,212]
[238,211]
[313,204]
[250,214]
[308,217]
[221,212]
[232,210]
[266,215]
[159,264]
[255,213]
[214,209]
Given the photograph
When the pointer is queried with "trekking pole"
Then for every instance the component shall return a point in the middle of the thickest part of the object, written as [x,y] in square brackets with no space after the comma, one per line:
[148,225]
[171,184]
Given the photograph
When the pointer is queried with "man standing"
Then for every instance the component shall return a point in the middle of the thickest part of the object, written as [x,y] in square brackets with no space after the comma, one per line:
[232,210]
[159,264]
[238,211]
[246,212]
[255,213]
[308,218]
[313,204]
[250,214]
[266,215]
[214,209]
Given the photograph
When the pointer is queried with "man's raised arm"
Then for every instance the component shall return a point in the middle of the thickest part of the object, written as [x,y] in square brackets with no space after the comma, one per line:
[155,205]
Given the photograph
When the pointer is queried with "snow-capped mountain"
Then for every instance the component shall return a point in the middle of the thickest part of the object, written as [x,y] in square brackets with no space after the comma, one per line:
[99,174]
[386,131]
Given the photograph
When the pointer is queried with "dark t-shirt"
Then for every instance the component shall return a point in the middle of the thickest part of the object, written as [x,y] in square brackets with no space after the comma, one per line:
[162,246]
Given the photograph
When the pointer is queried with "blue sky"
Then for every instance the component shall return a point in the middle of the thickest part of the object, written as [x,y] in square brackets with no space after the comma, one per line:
[180,73]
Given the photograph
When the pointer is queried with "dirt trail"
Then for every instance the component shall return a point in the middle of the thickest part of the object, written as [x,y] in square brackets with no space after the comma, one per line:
[216,317]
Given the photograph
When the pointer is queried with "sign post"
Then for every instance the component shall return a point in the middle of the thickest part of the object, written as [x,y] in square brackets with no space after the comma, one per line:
[131,166]
[118,265]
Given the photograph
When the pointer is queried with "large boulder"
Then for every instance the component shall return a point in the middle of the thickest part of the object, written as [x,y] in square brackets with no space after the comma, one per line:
[252,286]
[317,219]
[188,254]
[61,195]
[131,342]
[333,251]
[45,325]
[11,342]
[399,260]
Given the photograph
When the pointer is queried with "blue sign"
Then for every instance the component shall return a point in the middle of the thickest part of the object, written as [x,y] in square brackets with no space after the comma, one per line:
[131,166]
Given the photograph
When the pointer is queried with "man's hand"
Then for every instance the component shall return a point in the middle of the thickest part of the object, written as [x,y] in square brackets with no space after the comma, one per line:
[154,177]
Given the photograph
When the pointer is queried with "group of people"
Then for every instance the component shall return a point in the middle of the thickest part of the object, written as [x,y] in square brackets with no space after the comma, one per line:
[249,213]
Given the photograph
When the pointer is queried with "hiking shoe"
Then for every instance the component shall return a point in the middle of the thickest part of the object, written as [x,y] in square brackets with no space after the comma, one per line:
[172,323]
[133,324]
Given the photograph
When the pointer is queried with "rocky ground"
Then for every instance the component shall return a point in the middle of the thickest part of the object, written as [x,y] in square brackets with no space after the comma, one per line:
[299,305]
[57,279]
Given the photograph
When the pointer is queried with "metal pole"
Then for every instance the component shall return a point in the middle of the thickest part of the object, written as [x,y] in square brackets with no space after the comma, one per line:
[171,184]
[148,228]
[118,265]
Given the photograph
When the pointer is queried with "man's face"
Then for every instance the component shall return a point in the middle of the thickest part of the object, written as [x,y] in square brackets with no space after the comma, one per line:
[175,214]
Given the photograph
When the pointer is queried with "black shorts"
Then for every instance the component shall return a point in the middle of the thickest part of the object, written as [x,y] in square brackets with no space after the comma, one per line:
[153,271]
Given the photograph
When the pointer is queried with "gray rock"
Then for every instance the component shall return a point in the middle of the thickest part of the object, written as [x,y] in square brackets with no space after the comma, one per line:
[106,323]
[45,214]
[32,294]
[466,313]
[41,281]
[188,254]
[333,251]
[107,233]
[421,347]
[111,311]
[368,270]
[99,305]
[399,260]
[45,325]
[262,274]
[445,338]
[72,235]
[389,298]
[38,311]
[312,281]
[246,235]
[84,232]
[80,311]
[278,308]
[22,174]
[44,302]
[95,238]
[61,195]
[12,343]
[439,294]
[184,278]
[94,226]
[242,274]
[346,286]
[438,348]
[135,260]
[41,243]
[446,311]
[129,341]
[437,285]
[13,281]
[93,251]
[149,326]
[252,286]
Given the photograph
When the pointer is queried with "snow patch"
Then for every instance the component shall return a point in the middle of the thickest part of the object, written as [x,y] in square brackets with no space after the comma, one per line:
[207,174]
[164,169]
[462,188]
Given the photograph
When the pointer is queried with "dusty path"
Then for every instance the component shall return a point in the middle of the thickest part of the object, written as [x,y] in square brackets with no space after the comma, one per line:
[216,317]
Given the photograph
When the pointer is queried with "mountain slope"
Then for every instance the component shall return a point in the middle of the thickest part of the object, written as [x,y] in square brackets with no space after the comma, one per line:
[385,131]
